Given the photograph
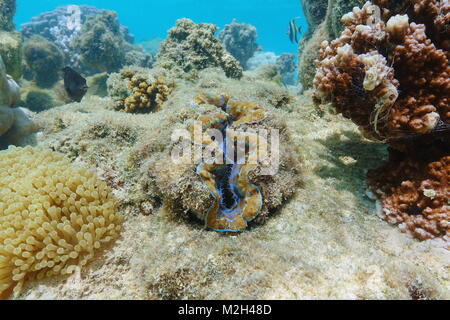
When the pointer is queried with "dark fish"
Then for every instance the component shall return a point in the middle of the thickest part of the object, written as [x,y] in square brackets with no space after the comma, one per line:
[441,129]
[294,31]
[75,85]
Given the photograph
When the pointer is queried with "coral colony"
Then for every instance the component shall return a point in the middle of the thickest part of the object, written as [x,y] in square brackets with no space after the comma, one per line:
[389,73]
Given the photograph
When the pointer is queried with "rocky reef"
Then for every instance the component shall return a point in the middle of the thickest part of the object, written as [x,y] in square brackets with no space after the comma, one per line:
[239,39]
[390,75]
[95,43]
[190,48]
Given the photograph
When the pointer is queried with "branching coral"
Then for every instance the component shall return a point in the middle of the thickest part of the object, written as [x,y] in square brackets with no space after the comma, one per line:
[415,194]
[53,216]
[136,91]
[392,78]
[192,47]
[404,84]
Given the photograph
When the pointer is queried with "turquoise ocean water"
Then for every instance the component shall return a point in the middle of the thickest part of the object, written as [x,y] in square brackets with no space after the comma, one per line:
[148,19]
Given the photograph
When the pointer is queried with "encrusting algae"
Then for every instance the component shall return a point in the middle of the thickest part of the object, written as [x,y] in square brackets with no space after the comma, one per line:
[53,216]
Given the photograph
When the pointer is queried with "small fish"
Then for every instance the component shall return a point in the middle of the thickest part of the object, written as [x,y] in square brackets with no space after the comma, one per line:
[294,31]
[75,85]
[442,129]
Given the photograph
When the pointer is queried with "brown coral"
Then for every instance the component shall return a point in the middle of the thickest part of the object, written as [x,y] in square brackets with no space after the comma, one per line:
[145,95]
[419,76]
[415,194]
[392,78]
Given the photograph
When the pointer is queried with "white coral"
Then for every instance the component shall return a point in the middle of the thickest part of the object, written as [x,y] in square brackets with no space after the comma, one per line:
[376,69]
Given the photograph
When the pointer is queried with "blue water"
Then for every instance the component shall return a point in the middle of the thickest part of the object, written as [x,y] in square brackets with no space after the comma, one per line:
[148,19]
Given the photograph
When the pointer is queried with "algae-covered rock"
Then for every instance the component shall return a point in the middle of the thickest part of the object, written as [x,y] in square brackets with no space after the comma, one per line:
[137,57]
[9,90]
[239,39]
[6,119]
[44,60]
[308,53]
[315,12]
[7,11]
[190,48]
[97,84]
[100,43]
[38,100]
[11,52]
[16,124]
[21,132]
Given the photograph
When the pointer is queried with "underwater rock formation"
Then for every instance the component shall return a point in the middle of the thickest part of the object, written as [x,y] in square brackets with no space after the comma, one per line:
[239,39]
[323,17]
[15,124]
[9,90]
[398,94]
[315,12]
[100,42]
[44,60]
[261,58]
[167,254]
[7,11]
[37,100]
[287,67]
[137,90]
[53,216]
[110,44]
[190,48]
[11,52]
[308,52]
